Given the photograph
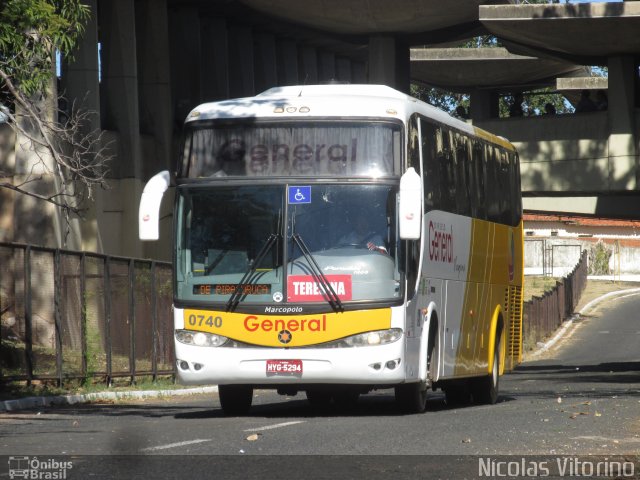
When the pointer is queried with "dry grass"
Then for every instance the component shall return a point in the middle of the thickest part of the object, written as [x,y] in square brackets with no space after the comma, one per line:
[535,286]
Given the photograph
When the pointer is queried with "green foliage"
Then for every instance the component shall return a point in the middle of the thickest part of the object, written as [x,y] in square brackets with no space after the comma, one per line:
[599,255]
[484,41]
[31,31]
[441,99]
[535,102]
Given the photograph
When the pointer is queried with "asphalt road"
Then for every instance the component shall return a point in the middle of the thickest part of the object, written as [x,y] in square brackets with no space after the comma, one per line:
[581,398]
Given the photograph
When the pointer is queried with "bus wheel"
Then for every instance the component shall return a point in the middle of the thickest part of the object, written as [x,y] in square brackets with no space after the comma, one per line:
[235,399]
[485,389]
[319,398]
[412,397]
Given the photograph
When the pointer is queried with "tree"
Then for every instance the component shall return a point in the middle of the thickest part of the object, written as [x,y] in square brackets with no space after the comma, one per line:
[62,145]
[447,101]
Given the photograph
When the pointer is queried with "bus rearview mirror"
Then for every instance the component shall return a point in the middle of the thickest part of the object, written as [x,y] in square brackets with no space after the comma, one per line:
[410,208]
[149,213]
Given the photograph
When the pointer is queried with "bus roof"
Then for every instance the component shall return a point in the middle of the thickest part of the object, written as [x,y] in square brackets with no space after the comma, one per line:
[334,100]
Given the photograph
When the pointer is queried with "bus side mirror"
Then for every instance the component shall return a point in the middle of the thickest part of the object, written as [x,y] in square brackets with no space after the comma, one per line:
[410,208]
[149,213]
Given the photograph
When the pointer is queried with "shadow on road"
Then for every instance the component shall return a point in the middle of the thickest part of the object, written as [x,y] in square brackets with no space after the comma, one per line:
[598,380]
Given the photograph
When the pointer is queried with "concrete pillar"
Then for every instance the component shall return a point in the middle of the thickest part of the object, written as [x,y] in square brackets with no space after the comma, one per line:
[35,221]
[215,59]
[241,71]
[343,69]
[186,61]
[154,84]
[120,84]
[7,197]
[623,138]
[119,99]
[287,62]
[389,62]
[358,73]
[308,74]
[79,80]
[156,115]
[265,64]
[81,88]
[326,67]
[484,105]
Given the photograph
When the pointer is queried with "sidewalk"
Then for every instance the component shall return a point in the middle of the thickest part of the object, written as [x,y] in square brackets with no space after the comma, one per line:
[73,399]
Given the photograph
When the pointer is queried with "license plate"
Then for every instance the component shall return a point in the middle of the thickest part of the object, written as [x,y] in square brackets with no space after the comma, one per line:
[284,367]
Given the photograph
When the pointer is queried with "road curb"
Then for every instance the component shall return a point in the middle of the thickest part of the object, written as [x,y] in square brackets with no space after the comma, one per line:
[567,323]
[38,402]
[606,296]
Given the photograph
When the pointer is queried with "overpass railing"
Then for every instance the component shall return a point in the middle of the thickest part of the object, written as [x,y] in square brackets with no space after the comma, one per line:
[78,315]
[543,315]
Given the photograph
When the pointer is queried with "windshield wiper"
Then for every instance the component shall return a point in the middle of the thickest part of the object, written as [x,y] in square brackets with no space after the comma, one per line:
[318,276]
[209,268]
[246,279]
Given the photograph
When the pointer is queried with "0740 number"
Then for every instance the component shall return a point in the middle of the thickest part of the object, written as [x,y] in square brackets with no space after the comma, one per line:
[205,320]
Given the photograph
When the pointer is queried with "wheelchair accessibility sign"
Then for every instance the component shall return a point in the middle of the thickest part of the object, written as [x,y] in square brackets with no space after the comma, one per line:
[298,195]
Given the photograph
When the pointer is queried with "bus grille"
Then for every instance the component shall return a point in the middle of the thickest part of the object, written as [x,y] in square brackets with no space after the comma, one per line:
[513,309]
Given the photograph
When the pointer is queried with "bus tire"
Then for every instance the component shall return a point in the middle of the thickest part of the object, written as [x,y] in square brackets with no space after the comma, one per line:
[412,397]
[486,389]
[235,400]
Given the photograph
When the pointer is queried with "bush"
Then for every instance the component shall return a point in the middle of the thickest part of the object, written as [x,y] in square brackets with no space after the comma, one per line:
[599,256]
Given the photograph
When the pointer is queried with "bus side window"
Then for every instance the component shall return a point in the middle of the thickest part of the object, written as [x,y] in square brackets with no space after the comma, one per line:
[491,183]
[412,266]
[478,162]
[472,187]
[514,182]
[414,146]
[504,191]
[461,181]
[431,176]
[447,173]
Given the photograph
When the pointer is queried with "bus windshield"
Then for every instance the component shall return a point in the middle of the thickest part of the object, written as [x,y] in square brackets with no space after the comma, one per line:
[292,149]
[275,244]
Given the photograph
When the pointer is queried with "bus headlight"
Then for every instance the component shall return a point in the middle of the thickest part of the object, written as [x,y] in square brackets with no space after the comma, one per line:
[379,337]
[200,339]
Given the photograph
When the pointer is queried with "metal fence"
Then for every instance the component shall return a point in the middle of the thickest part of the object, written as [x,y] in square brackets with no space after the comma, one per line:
[66,314]
[542,315]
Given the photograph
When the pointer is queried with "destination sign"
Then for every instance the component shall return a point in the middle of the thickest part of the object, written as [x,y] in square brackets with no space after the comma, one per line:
[230,288]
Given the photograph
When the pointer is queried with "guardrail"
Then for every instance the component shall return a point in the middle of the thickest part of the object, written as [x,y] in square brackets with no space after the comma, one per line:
[67,314]
[543,315]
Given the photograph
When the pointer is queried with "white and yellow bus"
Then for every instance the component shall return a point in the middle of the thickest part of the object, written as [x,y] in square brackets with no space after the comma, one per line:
[338,239]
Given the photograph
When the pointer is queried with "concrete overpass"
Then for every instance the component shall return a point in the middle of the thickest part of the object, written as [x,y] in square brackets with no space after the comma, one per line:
[585,163]
[159,58]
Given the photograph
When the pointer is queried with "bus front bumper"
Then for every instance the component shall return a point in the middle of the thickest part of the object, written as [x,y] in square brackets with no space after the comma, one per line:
[375,365]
